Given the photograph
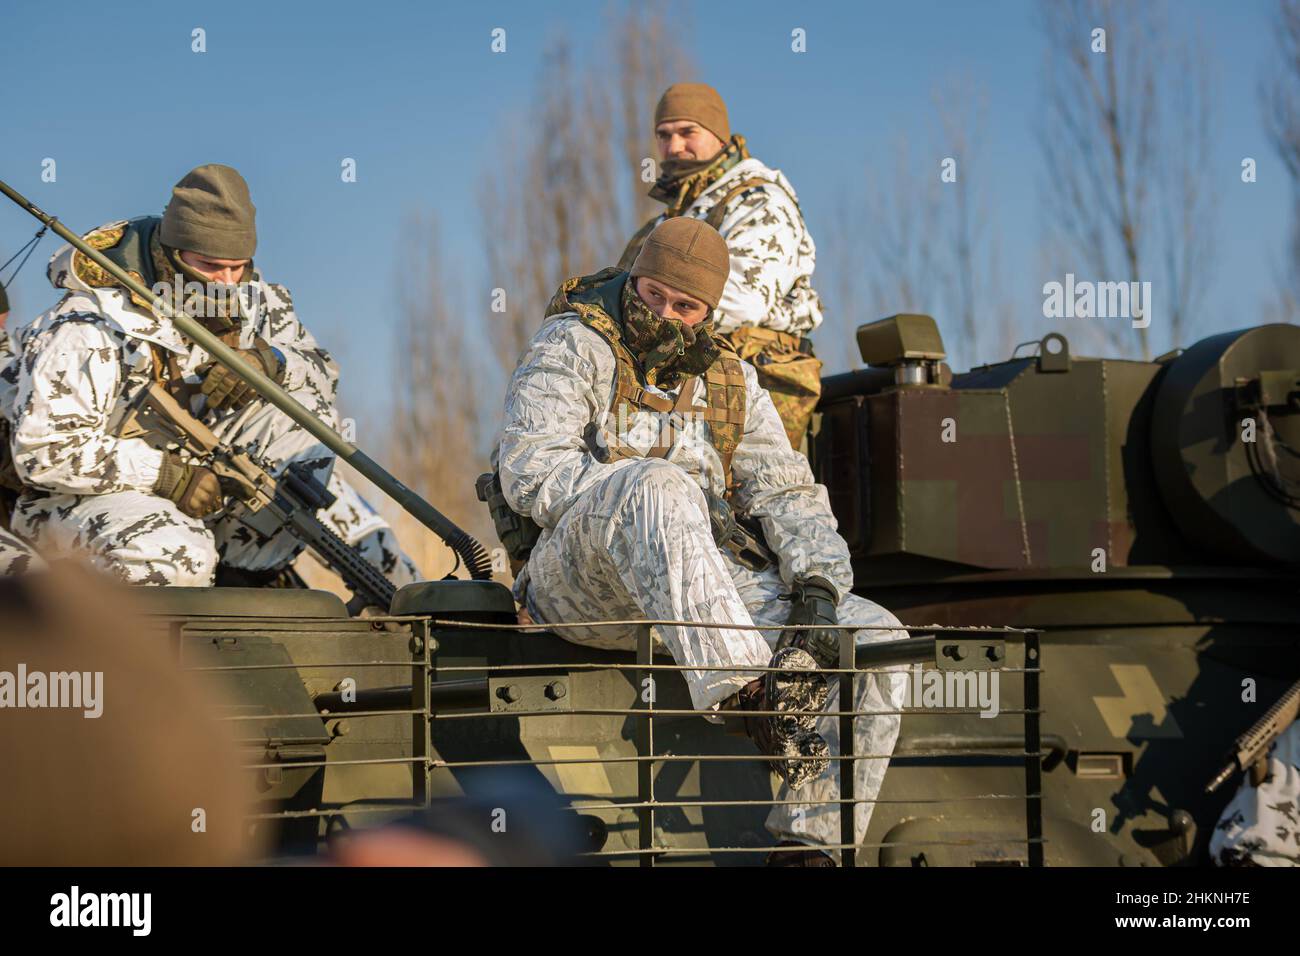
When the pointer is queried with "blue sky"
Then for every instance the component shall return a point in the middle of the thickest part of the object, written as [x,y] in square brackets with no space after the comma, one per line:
[113,92]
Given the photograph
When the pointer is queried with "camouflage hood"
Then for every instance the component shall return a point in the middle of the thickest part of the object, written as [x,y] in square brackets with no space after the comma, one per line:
[134,246]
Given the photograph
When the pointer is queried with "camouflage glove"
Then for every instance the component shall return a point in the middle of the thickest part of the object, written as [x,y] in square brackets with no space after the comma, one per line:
[813,601]
[195,489]
[224,389]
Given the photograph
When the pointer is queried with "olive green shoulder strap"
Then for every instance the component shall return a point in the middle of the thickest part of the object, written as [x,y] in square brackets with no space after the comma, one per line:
[718,211]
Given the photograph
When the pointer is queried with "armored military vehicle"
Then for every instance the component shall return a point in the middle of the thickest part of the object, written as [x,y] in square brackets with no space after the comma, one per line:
[1143,516]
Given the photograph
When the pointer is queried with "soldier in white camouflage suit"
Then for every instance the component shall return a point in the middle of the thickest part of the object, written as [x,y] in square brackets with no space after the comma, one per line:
[768,307]
[16,557]
[631,522]
[1260,826]
[149,516]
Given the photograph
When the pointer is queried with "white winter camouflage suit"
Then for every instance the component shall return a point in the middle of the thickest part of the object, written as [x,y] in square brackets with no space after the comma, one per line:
[1260,826]
[631,539]
[772,253]
[16,555]
[79,367]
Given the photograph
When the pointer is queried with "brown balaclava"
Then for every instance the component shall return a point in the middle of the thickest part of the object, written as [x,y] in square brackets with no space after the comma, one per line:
[687,254]
[211,213]
[698,102]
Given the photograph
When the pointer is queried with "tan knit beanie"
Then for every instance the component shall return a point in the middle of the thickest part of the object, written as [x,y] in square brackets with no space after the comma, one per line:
[687,254]
[211,213]
[695,101]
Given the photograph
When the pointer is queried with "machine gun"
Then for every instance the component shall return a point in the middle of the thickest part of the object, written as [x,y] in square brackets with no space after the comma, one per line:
[1250,751]
[266,503]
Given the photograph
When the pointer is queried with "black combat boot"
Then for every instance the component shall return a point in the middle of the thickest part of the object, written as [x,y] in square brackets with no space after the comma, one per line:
[813,602]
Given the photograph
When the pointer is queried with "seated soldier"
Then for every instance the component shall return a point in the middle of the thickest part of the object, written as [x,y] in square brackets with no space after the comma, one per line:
[633,510]
[148,515]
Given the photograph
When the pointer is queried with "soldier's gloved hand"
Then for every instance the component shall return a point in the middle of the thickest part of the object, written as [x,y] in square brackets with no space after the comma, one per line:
[195,489]
[224,389]
[813,601]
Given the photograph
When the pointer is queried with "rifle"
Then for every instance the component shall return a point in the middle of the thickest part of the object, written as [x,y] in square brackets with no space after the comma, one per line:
[1250,751]
[266,503]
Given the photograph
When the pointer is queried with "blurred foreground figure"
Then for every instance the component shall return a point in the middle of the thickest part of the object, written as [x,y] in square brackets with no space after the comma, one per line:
[505,819]
[112,757]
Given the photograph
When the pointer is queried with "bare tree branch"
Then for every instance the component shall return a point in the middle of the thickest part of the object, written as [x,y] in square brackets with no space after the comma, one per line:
[1281,99]
[1126,145]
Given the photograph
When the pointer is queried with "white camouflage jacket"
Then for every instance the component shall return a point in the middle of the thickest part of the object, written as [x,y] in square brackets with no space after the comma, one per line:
[79,366]
[565,380]
[772,254]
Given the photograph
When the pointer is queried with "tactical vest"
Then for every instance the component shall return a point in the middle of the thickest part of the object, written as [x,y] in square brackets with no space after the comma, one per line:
[595,299]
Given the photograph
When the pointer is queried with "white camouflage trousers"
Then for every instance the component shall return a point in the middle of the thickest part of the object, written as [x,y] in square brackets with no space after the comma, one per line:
[639,545]
[1260,826]
[145,539]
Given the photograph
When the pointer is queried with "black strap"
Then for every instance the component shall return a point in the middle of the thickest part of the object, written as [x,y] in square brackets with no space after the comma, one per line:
[29,247]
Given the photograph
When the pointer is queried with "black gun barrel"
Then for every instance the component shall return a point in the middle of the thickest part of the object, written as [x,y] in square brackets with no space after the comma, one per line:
[1253,745]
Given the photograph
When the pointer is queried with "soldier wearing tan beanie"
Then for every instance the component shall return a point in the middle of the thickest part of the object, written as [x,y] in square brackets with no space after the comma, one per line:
[698,102]
[643,473]
[146,511]
[768,305]
[687,255]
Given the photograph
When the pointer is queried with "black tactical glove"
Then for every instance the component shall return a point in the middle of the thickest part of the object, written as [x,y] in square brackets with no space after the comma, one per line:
[226,390]
[813,601]
[195,489]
